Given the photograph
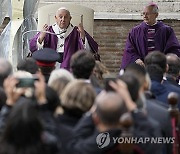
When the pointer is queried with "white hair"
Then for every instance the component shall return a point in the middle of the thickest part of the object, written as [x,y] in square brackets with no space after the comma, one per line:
[155,9]
[154,6]
[63,8]
[59,73]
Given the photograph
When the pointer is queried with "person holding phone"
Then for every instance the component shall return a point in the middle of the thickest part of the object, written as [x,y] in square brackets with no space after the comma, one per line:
[67,39]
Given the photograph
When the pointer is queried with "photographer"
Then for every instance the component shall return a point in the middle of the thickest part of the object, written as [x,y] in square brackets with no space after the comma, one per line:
[16,99]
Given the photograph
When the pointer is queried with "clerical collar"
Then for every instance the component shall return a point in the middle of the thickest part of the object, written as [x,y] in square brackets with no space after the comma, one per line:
[62,30]
[151,25]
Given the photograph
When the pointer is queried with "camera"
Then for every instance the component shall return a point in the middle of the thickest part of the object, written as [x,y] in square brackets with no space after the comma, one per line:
[26,81]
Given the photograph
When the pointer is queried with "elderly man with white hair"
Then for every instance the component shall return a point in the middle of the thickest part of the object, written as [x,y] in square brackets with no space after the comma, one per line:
[67,39]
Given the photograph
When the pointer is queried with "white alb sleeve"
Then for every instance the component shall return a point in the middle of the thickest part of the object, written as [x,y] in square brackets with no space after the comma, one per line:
[39,46]
[86,45]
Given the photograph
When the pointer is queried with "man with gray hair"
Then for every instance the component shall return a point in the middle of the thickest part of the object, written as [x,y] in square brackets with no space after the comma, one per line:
[63,37]
[173,73]
[148,36]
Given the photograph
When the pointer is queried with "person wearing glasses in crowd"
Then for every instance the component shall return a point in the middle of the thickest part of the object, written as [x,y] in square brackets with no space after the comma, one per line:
[148,36]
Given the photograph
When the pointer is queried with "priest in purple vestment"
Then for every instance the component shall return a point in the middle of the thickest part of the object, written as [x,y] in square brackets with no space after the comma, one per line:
[149,36]
[63,37]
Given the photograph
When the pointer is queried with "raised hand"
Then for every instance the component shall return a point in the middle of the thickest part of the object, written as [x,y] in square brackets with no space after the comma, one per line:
[140,62]
[81,31]
[121,88]
[11,91]
[43,33]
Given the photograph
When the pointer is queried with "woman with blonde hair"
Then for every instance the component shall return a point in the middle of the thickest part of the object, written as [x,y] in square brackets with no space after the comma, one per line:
[76,99]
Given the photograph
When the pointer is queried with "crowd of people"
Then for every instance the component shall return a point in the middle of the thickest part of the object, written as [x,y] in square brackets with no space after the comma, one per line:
[81,107]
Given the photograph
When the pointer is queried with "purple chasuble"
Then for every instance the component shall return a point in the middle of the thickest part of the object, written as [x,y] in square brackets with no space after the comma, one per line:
[72,44]
[137,43]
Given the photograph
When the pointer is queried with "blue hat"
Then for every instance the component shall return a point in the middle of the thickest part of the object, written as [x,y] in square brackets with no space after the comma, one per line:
[45,57]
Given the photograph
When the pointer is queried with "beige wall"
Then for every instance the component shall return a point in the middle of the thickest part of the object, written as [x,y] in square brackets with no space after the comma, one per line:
[121,5]
[79,14]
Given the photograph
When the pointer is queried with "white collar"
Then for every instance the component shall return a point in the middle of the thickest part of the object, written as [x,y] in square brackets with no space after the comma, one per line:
[152,25]
[58,30]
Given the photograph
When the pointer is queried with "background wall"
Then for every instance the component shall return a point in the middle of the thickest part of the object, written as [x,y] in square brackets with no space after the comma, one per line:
[121,5]
[113,20]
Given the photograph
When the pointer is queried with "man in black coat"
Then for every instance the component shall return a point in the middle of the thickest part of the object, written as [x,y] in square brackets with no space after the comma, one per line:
[155,109]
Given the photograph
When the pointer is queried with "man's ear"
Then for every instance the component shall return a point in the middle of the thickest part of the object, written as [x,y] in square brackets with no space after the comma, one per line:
[157,15]
[167,68]
[95,118]
[70,18]
[146,86]
[55,17]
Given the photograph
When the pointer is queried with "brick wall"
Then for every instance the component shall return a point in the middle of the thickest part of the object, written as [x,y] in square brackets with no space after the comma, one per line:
[111,36]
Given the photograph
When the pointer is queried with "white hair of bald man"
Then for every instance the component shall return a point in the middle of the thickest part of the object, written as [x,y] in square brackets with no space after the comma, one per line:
[63,8]
[154,6]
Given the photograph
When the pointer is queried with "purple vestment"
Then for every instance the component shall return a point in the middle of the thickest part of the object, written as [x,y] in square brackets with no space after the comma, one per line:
[72,44]
[136,44]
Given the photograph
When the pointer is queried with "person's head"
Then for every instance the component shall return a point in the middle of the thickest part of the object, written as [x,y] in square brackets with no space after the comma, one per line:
[132,84]
[53,100]
[82,64]
[99,71]
[157,58]
[78,95]
[46,71]
[109,108]
[5,70]
[63,18]
[173,62]
[46,59]
[23,127]
[140,73]
[59,73]
[155,72]
[59,84]
[150,13]
[29,65]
